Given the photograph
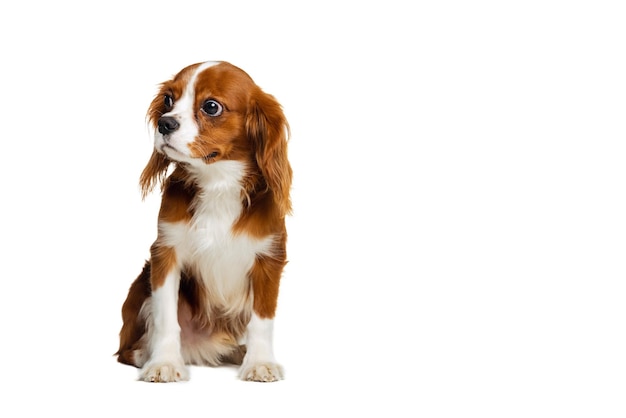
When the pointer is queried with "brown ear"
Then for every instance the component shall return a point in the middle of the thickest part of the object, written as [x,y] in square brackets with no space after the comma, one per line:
[154,173]
[268,130]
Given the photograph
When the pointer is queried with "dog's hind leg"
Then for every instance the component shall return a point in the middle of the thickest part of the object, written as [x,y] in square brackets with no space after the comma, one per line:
[132,349]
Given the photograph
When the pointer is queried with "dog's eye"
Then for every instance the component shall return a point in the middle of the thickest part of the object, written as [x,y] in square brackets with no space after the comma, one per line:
[212,108]
[168,101]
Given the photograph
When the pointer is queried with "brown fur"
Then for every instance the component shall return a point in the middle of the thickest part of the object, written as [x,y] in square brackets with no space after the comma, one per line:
[133,327]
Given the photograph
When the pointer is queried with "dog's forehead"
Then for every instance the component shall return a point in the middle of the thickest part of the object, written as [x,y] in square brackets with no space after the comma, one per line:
[186,76]
[216,79]
[222,80]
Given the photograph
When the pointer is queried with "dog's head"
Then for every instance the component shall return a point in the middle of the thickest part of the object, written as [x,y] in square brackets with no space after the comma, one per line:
[213,112]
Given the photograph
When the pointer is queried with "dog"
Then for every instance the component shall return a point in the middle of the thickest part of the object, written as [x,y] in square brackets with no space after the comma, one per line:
[208,293]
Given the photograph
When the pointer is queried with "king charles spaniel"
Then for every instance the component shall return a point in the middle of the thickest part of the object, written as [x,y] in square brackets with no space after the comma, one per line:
[208,293]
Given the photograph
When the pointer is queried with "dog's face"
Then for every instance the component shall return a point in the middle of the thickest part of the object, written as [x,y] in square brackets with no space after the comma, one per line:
[199,116]
[212,112]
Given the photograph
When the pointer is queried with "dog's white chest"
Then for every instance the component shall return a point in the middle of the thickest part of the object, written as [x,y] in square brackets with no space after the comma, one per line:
[207,246]
[208,249]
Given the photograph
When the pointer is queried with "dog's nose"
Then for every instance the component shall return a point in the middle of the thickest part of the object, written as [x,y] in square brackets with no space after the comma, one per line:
[167,125]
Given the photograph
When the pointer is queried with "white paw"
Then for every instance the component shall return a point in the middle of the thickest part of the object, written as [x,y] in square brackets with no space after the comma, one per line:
[164,372]
[261,372]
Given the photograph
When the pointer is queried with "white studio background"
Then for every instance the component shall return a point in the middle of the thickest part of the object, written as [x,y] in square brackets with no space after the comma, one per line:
[457,245]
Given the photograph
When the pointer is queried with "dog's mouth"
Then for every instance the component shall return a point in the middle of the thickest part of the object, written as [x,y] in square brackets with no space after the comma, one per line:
[174,154]
[169,150]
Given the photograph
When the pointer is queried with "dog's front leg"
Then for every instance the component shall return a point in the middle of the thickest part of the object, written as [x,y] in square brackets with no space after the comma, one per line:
[165,363]
[259,364]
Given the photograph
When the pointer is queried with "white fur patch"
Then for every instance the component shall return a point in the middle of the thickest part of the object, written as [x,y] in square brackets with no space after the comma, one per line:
[166,362]
[259,364]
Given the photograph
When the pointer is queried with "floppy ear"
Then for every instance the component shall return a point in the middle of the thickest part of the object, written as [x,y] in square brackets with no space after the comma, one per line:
[156,169]
[268,130]
[154,173]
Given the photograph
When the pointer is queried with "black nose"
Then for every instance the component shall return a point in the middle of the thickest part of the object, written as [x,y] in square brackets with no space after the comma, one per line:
[167,125]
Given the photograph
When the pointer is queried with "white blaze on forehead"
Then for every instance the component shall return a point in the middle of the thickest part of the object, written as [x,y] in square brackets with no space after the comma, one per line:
[203,67]
[186,102]
[190,89]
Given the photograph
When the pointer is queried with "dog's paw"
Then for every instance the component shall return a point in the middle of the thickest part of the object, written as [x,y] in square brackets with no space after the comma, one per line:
[164,372]
[261,372]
